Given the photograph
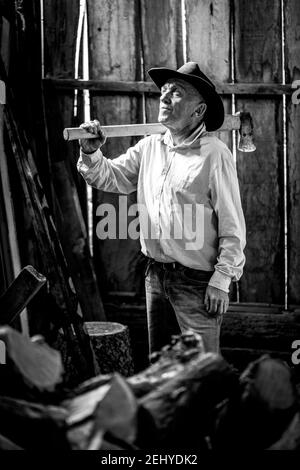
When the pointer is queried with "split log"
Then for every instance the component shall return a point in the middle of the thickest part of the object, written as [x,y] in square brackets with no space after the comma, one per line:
[101,392]
[184,406]
[7,444]
[171,360]
[265,405]
[37,366]
[111,344]
[108,417]
[116,414]
[33,426]
[290,439]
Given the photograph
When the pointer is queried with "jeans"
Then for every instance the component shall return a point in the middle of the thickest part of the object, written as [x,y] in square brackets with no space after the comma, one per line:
[175,303]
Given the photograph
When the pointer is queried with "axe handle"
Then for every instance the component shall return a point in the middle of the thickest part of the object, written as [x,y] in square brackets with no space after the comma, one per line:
[73,133]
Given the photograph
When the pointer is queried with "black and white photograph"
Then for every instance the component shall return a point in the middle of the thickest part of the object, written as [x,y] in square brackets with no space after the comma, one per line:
[149,228]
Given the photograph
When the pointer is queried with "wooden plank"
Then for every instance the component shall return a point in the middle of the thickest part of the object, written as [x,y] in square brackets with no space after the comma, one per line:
[136,87]
[19,294]
[257,39]
[161,42]
[271,331]
[61,21]
[208,43]
[292,67]
[114,55]
[208,36]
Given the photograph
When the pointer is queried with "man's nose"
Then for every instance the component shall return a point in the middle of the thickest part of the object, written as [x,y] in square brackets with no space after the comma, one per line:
[165,97]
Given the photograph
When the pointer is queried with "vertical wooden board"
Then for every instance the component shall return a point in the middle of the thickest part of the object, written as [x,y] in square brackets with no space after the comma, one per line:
[292,68]
[114,55]
[161,22]
[208,43]
[60,34]
[259,175]
[208,36]
[162,46]
[257,39]
[226,137]
[60,31]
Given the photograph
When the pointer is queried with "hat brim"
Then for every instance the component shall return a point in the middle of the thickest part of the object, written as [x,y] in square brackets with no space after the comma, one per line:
[214,116]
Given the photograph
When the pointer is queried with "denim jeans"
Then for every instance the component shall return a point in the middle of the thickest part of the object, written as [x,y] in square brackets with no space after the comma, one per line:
[175,303]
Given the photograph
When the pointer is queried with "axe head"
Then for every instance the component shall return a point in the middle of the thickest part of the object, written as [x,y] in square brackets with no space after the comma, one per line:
[246,140]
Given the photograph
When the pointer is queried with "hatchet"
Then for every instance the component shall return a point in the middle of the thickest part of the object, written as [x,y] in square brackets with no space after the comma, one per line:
[241,121]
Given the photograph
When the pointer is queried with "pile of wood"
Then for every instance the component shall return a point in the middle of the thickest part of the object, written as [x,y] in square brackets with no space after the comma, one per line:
[186,399]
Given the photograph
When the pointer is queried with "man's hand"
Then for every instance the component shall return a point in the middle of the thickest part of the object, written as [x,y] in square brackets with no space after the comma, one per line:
[216,301]
[91,145]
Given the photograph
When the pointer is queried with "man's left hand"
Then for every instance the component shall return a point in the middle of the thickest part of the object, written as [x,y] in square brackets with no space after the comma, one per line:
[216,300]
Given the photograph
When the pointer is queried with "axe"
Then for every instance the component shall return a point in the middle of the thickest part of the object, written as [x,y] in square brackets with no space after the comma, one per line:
[241,121]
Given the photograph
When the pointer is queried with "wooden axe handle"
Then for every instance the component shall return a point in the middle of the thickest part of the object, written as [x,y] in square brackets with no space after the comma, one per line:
[73,133]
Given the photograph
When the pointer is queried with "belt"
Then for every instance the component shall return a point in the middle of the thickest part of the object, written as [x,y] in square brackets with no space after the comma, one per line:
[167,266]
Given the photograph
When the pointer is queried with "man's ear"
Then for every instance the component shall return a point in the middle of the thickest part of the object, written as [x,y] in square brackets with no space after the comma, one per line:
[200,110]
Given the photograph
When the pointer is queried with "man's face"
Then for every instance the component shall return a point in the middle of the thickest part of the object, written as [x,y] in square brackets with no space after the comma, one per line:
[178,102]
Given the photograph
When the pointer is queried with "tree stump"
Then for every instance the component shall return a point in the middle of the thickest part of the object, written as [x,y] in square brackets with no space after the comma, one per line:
[112,348]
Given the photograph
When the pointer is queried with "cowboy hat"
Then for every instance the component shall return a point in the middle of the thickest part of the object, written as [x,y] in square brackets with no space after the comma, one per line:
[191,73]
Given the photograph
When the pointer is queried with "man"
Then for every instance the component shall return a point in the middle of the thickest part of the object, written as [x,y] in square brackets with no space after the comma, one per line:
[185,179]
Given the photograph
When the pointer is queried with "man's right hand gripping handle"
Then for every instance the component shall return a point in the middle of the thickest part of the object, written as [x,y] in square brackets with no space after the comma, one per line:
[91,145]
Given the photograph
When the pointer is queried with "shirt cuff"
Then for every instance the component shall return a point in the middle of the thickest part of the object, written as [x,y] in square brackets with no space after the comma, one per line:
[91,157]
[220,281]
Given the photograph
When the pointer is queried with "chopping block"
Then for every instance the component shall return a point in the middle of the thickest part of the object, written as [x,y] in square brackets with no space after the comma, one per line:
[112,348]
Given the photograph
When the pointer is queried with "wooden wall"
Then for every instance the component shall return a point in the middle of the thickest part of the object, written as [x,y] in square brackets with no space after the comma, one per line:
[234,42]
[237,43]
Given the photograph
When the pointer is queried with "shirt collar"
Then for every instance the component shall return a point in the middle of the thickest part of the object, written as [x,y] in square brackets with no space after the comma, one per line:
[188,142]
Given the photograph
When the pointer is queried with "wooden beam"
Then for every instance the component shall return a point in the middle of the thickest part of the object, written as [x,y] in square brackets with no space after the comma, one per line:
[19,294]
[137,87]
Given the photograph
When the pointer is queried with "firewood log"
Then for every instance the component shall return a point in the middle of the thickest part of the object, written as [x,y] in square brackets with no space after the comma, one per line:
[33,426]
[183,407]
[170,361]
[265,405]
[37,365]
[290,439]
[6,444]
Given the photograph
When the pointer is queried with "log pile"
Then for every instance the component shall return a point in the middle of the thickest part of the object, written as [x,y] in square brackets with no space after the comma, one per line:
[186,398]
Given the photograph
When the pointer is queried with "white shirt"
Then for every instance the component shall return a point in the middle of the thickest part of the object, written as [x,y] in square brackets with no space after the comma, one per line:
[189,198]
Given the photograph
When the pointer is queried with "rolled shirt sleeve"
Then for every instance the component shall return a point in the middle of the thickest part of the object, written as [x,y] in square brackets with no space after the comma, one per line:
[226,201]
